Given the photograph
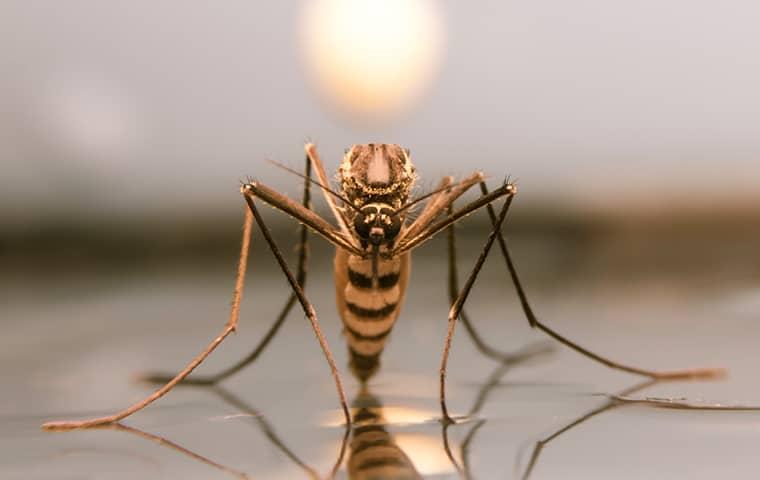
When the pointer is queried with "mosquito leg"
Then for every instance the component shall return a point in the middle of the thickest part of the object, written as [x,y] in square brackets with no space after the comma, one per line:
[303,254]
[456,308]
[480,344]
[229,327]
[308,309]
[303,215]
[430,232]
[314,158]
[535,323]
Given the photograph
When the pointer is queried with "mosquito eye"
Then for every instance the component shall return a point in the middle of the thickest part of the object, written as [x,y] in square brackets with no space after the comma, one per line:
[392,227]
[364,221]
[362,225]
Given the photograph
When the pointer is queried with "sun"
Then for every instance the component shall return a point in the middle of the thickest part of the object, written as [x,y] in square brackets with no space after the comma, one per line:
[370,58]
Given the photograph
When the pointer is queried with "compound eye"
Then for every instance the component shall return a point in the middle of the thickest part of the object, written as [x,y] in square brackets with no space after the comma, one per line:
[364,221]
[362,225]
[394,228]
[391,223]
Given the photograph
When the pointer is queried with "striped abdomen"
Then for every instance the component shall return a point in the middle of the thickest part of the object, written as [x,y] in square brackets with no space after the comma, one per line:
[368,313]
[374,453]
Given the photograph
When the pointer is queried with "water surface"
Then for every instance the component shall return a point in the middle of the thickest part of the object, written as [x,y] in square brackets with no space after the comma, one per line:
[74,353]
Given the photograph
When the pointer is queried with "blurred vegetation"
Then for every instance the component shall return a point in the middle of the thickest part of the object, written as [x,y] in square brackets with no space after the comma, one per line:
[553,246]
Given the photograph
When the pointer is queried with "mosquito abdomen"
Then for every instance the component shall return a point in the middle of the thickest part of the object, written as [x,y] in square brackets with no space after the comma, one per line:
[368,312]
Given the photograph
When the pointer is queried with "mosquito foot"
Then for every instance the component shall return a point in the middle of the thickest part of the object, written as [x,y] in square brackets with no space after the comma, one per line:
[697,373]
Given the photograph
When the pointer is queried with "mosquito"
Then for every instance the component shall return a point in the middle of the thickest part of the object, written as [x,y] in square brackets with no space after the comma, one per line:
[374,237]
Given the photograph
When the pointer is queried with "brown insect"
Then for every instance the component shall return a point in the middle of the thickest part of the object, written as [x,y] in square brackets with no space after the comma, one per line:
[373,240]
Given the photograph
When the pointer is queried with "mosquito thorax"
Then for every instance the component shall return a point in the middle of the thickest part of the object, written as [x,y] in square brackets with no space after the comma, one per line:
[377,172]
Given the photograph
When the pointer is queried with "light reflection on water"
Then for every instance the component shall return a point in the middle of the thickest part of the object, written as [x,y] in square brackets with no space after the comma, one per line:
[74,357]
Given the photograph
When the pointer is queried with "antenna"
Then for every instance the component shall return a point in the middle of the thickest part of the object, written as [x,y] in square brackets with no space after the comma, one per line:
[326,189]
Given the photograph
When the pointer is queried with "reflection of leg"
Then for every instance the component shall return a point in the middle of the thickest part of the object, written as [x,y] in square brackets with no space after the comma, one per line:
[265,427]
[174,446]
[526,354]
[307,307]
[228,328]
[534,322]
[456,308]
[607,406]
[303,254]
[480,344]
[257,417]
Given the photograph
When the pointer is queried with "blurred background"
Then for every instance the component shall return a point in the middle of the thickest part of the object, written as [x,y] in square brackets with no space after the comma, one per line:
[115,114]
[632,129]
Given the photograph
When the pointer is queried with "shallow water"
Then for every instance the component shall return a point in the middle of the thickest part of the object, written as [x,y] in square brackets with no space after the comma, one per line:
[73,356]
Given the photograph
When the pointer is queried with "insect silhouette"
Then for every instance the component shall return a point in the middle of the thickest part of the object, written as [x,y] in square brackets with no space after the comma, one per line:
[374,237]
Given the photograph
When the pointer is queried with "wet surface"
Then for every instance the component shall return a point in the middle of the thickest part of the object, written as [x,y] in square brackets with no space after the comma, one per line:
[74,356]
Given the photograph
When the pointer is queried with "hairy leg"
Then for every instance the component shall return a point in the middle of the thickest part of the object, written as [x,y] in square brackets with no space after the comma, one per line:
[229,327]
[307,307]
[535,323]
[303,254]
[453,287]
[456,308]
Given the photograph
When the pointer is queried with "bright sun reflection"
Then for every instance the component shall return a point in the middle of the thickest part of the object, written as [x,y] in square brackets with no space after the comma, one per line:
[424,450]
[392,415]
[370,58]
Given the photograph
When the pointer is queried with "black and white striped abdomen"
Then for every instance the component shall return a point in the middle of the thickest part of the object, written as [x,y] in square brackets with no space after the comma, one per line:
[368,313]
[373,452]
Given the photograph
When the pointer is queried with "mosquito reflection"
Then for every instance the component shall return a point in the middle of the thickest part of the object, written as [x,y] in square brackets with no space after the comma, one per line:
[623,398]
[174,446]
[250,412]
[374,452]
[529,353]
[270,433]
[609,405]
[370,448]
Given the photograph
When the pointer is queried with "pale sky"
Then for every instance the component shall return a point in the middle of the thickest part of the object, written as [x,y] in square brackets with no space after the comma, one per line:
[155,106]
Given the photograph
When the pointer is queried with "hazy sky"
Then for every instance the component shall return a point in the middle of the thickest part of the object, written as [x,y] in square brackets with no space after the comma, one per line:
[164,105]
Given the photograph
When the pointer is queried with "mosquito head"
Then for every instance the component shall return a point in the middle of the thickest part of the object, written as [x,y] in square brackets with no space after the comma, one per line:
[377,223]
